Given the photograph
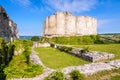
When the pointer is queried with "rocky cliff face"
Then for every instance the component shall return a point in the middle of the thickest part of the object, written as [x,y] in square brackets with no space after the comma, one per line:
[8,29]
[65,24]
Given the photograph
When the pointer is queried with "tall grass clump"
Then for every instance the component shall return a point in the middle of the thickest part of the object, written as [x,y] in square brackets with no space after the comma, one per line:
[55,76]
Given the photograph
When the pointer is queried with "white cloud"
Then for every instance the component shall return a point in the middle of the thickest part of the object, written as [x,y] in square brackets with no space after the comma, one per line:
[71,5]
[22,2]
[77,6]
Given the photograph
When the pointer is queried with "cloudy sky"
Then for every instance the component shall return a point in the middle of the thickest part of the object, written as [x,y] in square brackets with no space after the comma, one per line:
[30,14]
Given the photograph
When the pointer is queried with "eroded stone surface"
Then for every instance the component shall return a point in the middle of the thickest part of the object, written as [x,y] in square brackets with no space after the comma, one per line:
[92,56]
[88,69]
[93,68]
[35,59]
[115,63]
[37,44]
[8,28]
[65,24]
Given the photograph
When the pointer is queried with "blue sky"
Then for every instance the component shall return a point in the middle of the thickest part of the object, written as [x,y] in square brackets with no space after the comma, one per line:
[30,14]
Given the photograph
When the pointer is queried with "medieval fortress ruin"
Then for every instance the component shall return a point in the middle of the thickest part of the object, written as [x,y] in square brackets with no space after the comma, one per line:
[65,24]
[8,29]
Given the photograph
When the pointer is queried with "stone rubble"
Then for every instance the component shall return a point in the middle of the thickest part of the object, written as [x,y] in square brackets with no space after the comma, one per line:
[88,69]
[115,63]
[37,44]
[35,59]
[92,56]
[95,56]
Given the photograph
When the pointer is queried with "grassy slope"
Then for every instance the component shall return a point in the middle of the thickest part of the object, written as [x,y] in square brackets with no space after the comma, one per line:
[18,68]
[111,48]
[54,58]
[105,75]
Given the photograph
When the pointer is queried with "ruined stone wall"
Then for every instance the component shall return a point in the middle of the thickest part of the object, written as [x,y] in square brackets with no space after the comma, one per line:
[60,24]
[65,24]
[8,29]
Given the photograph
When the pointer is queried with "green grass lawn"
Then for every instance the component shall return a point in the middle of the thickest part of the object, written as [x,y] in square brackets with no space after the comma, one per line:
[54,58]
[111,48]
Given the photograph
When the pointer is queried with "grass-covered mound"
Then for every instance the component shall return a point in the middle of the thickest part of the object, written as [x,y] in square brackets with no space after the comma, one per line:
[54,58]
[92,39]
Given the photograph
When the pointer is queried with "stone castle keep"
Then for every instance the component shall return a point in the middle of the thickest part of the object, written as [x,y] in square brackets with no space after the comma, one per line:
[65,24]
[8,29]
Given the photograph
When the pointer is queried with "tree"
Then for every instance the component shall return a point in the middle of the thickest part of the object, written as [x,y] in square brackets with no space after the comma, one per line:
[35,38]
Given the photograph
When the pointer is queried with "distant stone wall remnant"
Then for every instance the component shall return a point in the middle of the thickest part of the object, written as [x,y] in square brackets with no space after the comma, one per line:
[65,24]
[8,29]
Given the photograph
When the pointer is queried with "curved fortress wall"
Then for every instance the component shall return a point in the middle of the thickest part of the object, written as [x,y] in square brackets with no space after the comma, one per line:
[8,29]
[65,24]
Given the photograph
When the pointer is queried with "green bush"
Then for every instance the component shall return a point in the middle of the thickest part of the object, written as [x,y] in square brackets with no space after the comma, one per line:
[85,50]
[35,38]
[75,74]
[2,75]
[55,76]
[52,45]
[65,49]
[27,53]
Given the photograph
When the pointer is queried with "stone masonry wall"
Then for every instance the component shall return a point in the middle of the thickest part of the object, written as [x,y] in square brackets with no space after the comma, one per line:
[65,24]
[8,29]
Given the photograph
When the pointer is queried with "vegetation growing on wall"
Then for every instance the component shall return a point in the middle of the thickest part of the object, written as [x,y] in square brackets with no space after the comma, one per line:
[21,66]
[6,53]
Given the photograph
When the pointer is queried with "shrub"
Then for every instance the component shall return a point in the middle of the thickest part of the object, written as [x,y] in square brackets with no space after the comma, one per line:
[52,45]
[65,49]
[35,38]
[27,53]
[85,50]
[55,76]
[75,74]
[2,75]
[98,40]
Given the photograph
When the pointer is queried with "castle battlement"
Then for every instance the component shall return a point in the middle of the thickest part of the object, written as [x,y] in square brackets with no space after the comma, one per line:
[65,24]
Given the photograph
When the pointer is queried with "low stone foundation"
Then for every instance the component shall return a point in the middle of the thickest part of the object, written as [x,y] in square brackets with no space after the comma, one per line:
[37,44]
[92,56]
[89,69]
[115,63]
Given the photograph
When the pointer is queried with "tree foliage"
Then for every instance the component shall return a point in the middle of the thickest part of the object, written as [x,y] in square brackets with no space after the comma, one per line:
[35,38]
